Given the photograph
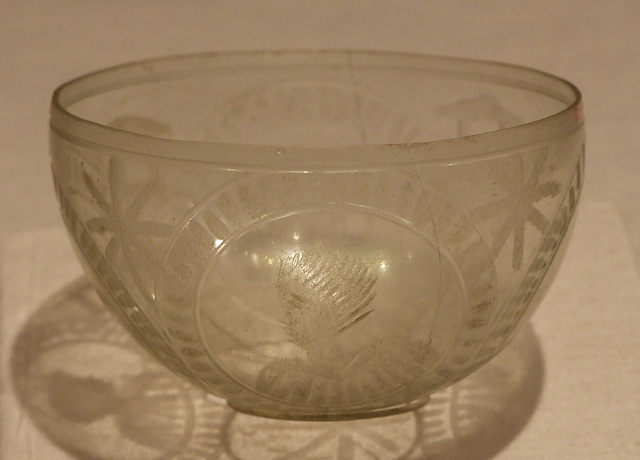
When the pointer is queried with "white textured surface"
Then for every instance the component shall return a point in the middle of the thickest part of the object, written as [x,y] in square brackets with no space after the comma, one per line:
[587,326]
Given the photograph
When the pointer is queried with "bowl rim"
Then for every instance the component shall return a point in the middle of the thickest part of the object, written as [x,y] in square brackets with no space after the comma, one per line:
[237,156]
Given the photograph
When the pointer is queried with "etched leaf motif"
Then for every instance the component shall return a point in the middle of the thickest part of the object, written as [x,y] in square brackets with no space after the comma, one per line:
[323,294]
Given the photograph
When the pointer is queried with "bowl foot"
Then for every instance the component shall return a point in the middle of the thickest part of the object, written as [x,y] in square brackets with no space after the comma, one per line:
[318,415]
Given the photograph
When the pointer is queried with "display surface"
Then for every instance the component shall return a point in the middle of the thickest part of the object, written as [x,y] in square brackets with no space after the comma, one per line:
[319,235]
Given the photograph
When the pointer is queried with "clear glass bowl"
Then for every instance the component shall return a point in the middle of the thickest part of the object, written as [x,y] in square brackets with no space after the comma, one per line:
[319,235]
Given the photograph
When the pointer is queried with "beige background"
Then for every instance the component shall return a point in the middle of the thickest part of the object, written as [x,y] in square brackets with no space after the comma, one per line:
[587,327]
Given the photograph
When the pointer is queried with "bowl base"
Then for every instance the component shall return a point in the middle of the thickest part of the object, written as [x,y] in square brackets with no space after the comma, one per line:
[310,416]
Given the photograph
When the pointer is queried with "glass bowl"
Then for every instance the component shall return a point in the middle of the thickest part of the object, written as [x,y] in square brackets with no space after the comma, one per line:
[319,234]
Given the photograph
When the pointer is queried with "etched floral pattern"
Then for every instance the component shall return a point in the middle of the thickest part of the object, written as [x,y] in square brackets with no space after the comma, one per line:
[522,192]
[306,345]
[323,294]
[123,223]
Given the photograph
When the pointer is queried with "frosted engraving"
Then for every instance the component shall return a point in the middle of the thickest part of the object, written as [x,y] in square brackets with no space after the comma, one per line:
[231,273]
[116,296]
[124,223]
[508,319]
[323,294]
[518,206]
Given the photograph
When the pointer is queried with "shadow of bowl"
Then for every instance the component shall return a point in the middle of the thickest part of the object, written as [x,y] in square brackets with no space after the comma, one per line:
[94,392]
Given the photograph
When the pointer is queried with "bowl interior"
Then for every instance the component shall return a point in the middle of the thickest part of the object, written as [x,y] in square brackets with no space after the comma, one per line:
[315,99]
